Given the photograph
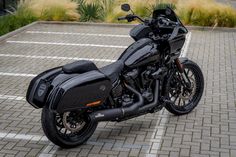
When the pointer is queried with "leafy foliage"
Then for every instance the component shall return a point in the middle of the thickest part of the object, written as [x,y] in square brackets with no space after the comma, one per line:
[206,13]
[53,10]
[95,10]
[164,6]
[90,11]
[16,19]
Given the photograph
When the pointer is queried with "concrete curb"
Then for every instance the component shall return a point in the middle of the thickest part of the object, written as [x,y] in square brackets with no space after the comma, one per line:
[88,24]
[10,34]
[220,29]
[200,28]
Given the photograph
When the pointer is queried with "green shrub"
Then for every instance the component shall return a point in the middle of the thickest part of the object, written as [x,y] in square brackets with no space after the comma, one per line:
[96,10]
[90,11]
[53,10]
[113,16]
[206,13]
[164,6]
[107,6]
[16,19]
[140,7]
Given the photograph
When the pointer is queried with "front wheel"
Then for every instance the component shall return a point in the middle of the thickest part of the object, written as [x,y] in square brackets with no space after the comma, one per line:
[184,90]
[67,130]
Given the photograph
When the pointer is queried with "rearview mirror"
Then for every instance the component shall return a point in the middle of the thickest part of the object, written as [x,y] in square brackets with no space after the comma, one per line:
[125,7]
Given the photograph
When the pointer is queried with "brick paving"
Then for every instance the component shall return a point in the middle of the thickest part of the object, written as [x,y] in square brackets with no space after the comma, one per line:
[210,130]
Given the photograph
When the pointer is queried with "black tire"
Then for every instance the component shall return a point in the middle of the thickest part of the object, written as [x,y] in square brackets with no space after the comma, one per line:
[195,98]
[50,128]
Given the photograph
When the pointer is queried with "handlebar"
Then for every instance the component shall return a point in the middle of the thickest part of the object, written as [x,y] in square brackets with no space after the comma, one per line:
[122,18]
[166,22]
[161,21]
[130,18]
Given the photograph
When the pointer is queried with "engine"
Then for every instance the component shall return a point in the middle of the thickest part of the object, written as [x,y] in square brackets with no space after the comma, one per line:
[140,79]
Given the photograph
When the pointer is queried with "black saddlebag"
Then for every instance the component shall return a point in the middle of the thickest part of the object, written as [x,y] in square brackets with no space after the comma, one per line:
[40,87]
[80,91]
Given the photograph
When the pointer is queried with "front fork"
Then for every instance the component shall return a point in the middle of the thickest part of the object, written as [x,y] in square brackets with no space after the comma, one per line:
[179,65]
[182,72]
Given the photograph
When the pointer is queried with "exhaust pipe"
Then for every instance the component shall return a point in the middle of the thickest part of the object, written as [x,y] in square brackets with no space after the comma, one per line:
[119,113]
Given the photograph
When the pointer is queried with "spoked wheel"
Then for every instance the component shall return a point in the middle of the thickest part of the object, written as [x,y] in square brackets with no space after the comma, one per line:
[184,90]
[67,130]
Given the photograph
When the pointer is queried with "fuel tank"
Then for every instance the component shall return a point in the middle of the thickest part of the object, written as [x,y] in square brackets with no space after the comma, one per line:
[141,52]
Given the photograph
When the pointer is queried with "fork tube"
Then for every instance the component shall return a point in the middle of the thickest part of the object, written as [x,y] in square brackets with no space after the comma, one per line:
[179,65]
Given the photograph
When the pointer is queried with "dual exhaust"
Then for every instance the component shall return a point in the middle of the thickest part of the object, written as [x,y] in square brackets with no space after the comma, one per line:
[123,112]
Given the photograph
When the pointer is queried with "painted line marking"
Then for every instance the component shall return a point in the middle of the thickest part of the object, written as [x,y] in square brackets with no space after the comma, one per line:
[186,45]
[17,74]
[48,151]
[183,54]
[56,57]
[12,97]
[23,137]
[159,130]
[66,44]
[157,133]
[82,34]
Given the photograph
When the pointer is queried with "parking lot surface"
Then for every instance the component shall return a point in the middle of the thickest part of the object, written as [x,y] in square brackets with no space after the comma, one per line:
[210,130]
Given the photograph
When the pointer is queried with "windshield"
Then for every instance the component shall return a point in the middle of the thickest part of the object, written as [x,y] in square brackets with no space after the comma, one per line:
[169,13]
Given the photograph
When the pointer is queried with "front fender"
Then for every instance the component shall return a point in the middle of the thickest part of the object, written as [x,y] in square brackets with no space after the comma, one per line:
[183,60]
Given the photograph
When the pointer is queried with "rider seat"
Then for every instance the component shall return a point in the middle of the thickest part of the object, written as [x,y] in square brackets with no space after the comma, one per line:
[81,66]
[113,70]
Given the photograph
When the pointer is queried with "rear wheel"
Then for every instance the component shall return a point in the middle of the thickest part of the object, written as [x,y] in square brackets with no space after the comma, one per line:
[67,130]
[184,90]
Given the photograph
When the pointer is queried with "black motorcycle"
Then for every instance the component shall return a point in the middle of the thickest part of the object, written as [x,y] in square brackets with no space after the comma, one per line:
[147,77]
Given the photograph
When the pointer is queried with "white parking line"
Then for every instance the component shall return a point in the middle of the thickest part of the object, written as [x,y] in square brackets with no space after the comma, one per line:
[12,97]
[159,128]
[157,132]
[82,34]
[17,74]
[56,57]
[23,137]
[46,152]
[66,44]
[186,45]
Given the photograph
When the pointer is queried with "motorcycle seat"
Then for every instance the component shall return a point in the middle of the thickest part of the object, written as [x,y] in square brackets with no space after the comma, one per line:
[113,70]
[81,66]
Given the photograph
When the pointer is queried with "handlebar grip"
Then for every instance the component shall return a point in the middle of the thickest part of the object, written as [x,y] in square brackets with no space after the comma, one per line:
[122,18]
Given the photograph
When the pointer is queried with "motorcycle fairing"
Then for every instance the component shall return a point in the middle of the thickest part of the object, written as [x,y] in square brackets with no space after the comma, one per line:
[140,31]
